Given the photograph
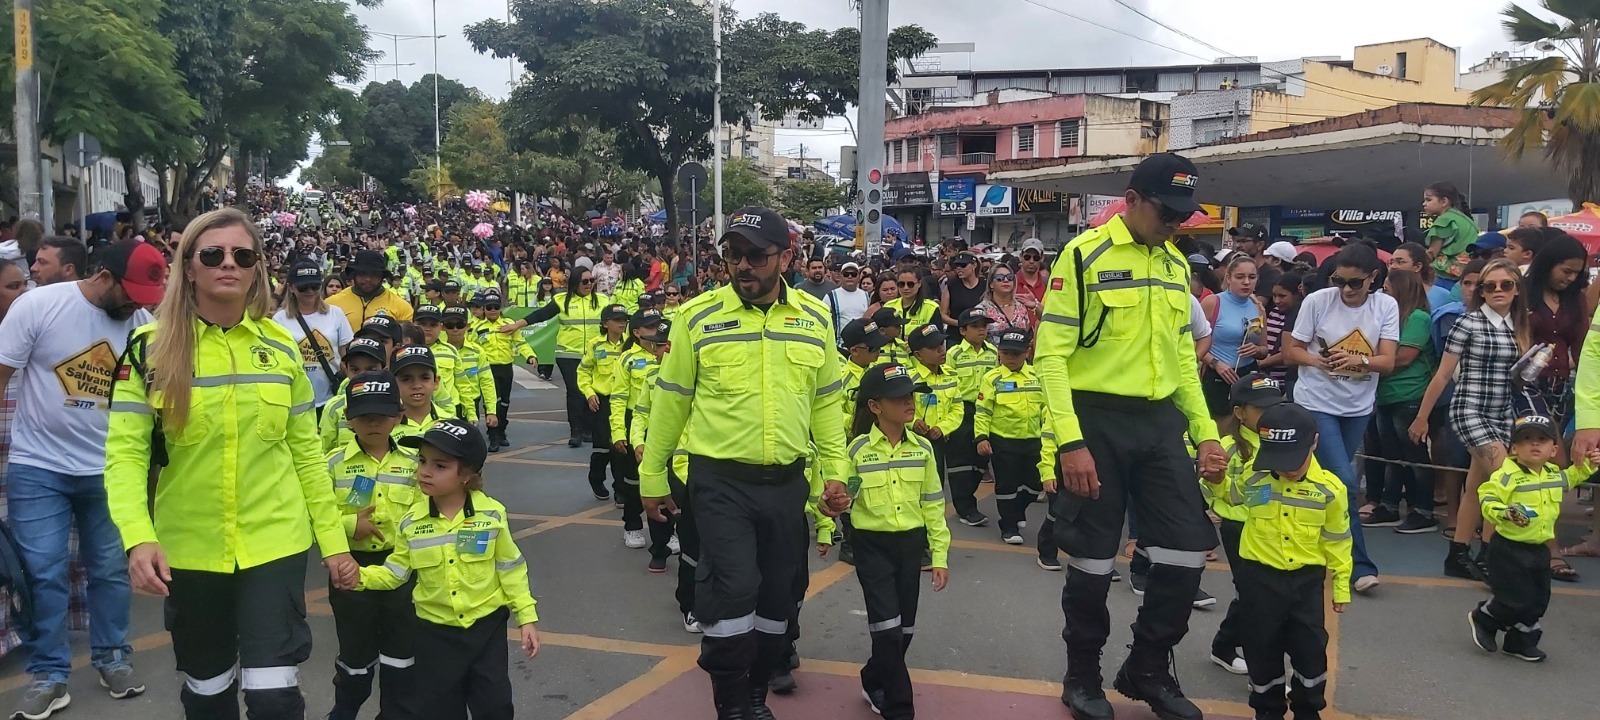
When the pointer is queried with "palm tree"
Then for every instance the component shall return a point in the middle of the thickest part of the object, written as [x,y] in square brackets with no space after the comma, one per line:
[1559,93]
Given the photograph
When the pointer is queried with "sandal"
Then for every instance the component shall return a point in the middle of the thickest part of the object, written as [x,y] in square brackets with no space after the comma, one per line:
[1366,510]
[1560,570]
[1582,549]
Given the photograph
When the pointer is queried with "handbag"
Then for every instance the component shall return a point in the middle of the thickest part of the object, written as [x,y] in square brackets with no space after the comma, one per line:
[334,378]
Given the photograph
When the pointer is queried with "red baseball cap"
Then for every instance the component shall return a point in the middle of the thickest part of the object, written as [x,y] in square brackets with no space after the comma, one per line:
[139,267]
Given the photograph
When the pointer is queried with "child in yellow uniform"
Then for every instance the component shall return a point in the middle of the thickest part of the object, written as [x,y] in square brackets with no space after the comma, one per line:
[374,486]
[363,355]
[1296,532]
[1250,396]
[863,343]
[414,370]
[636,371]
[939,411]
[598,372]
[474,383]
[969,360]
[429,319]
[1523,500]
[470,578]
[1007,430]
[687,534]
[898,510]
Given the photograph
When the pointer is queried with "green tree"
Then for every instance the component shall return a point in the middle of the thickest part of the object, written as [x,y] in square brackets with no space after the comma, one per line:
[332,169]
[264,73]
[643,69]
[742,184]
[393,129]
[809,199]
[1559,94]
[106,71]
[434,183]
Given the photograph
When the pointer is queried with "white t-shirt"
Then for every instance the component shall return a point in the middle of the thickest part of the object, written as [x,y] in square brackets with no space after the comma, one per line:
[331,331]
[66,350]
[1326,324]
[1199,326]
[847,306]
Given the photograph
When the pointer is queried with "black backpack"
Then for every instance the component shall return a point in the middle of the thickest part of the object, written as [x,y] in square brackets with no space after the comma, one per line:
[14,578]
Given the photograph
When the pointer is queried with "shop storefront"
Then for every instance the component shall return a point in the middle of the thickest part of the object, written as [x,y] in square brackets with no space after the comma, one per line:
[956,199]
[1041,214]
[907,197]
[1302,224]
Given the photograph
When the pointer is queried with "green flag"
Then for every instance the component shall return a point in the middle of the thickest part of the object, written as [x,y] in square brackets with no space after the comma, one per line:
[540,337]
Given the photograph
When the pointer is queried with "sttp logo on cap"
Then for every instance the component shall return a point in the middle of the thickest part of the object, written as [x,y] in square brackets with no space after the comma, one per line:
[1170,179]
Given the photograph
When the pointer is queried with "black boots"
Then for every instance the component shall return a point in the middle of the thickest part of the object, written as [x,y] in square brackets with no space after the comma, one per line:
[1081,691]
[1147,677]
[732,698]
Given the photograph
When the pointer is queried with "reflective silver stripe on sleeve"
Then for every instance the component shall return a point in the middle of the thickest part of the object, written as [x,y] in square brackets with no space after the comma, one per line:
[832,387]
[246,379]
[703,314]
[673,387]
[932,497]
[891,465]
[280,346]
[1096,253]
[435,541]
[1535,487]
[394,479]
[1059,320]
[1299,501]
[813,312]
[398,569]
[137,408]
[858,443]
[1134,283]
[1336,536]
[509,564]
[304,407]
[732,337]
[495,514]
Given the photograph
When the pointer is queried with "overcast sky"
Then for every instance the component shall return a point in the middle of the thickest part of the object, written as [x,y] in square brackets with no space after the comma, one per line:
[1020,34]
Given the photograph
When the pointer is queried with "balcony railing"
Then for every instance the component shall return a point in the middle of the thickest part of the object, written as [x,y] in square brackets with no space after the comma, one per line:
[977,158]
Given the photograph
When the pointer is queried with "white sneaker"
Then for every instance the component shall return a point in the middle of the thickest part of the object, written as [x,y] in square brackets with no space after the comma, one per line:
[634,539]
[673,546]
[1022,524]
[1013,539]
[690,624]
[1365,583]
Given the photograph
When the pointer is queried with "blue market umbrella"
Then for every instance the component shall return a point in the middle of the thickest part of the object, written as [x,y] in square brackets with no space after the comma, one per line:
[845,225]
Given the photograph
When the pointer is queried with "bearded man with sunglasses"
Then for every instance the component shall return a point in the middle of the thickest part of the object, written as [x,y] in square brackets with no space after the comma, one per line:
[754,379]
[1114,346]
[367,295]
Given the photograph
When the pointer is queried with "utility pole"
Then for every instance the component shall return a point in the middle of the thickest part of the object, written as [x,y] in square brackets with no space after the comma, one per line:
[874,72]
[716,118]
[30,179]
[438,164]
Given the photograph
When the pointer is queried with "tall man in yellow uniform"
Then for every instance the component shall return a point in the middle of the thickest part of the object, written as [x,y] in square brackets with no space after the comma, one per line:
[1114,345]
[754,379]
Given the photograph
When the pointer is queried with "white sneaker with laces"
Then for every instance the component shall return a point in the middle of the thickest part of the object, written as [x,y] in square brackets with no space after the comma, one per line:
[1365,583]
[690,624]
[634,539]
[673,546]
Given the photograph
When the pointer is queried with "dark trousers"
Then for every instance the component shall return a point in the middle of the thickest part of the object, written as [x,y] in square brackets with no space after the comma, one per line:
[1520,575]
[603,455]
[502,388]
[1285,611]
[462,669]
[626,467]
[964,472]
[578,421]
[1230,634]
[1046,542]
[889,566]
[1392,424]
[255,618]
[688,543]
[1016,479]
[374,629]
[1142,462]
[752,527]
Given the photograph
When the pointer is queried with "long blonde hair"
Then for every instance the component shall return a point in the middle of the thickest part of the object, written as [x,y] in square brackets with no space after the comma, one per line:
[170,359]
[1521,325]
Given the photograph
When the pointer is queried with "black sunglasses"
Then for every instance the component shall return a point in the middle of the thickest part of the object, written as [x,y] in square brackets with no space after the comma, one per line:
[212,256]
[491,307]
[1003,277]
[1031,255]
[455,325]
[586,281]
[1353,283]
[911,284]
[672,294]
[733,256]
[1168,215]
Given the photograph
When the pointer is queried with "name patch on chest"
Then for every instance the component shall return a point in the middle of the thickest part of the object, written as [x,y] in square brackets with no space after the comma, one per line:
[719,327]
[1114,275]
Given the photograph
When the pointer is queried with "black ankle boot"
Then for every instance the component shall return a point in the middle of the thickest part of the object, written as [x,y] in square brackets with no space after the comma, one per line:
[1081,691]
[1147,677]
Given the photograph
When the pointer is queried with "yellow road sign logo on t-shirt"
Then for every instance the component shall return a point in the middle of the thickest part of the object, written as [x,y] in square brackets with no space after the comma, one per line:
[1354,343]
[309,352]
[86,377]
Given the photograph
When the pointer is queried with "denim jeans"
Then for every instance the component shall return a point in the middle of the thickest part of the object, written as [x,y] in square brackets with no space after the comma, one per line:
[43,505]
[1415,484]
[1336,452]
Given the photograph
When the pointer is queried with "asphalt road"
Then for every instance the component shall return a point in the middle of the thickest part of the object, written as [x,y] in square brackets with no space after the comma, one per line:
[989,646]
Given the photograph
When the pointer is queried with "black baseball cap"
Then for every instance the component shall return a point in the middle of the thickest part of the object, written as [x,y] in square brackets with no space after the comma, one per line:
[643,318]
[1256,390]
[926,336]
[964,258]
[450,286]
[764,228]
[862,331]
[372,393]
[1532,426]
[455,312]
[660,331]
[305,275]
[489,297]
[381,326]
[887,317]
[1169,178]
[435,286]
[888,381]
[365,346]
[1015,339]
[973,316]
[1249,230]
[1288,435]
[370,262]
[429,312]
[455,438]
[615,312]
[414,355]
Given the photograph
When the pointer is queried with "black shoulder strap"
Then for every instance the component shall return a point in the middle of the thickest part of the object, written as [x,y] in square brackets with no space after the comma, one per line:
[327,367]
[1092,337]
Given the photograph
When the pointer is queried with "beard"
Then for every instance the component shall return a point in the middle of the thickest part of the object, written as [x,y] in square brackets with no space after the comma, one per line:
[763,286]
